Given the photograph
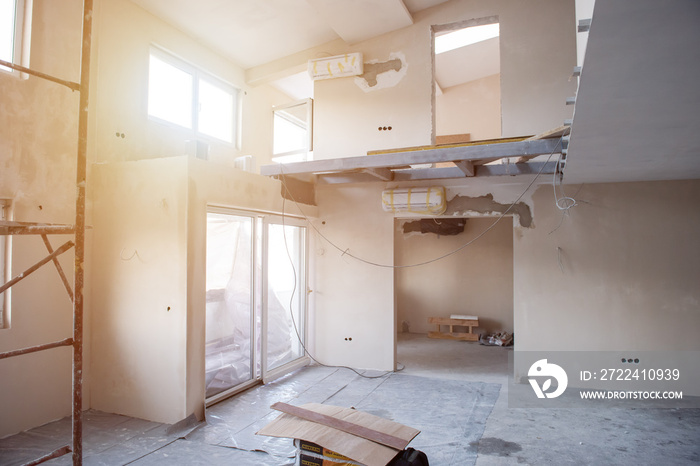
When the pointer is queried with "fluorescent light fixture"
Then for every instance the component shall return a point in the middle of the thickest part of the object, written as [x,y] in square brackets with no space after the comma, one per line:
[467,36]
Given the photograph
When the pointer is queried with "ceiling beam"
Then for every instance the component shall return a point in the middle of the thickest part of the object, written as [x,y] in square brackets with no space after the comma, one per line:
[466,167]
[383,174]
[416,157]
[444,173]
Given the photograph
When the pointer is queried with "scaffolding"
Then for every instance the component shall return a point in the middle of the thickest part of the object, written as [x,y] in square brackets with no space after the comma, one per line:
[78,230]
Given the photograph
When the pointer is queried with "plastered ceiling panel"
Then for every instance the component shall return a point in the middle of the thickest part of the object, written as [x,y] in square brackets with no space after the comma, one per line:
[636,115]
[355,21]
[249,32]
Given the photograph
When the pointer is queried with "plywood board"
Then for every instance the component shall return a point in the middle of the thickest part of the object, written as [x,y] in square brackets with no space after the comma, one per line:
[357,448]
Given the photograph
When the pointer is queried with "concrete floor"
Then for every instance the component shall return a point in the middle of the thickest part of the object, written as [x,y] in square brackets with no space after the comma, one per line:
[491,434]
[602,436]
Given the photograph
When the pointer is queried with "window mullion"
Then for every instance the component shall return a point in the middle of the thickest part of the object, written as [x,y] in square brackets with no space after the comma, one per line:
[196,104]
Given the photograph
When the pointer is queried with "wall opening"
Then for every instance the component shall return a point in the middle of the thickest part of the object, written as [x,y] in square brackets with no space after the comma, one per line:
[467,81]
[477,280]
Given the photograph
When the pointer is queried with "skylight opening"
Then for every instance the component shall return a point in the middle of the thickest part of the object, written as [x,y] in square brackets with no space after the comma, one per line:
[467,36]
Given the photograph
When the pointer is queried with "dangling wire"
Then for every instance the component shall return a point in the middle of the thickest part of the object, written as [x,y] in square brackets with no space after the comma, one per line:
[291,302]
[345,251]
[430,261]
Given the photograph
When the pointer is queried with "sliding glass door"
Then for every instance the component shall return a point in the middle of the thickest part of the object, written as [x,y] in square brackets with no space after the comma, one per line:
[231,320]
[285,292]
[255,299]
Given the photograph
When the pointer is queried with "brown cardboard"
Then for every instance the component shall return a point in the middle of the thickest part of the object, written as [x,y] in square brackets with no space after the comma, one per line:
[356,448]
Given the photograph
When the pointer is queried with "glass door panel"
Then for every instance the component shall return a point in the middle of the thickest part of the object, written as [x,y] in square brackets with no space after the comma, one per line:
[285,293]
[230,318]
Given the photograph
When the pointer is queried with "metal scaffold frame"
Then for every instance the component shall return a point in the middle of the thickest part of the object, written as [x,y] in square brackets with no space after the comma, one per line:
[23,228]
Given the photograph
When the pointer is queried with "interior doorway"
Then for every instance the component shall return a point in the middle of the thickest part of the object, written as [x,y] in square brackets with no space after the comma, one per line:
[255,300]
[467,81]
[477,280]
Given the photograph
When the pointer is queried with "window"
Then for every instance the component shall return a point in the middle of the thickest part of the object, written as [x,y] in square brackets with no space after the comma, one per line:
[292,131]
[182,94]
[5,263]
[15,30]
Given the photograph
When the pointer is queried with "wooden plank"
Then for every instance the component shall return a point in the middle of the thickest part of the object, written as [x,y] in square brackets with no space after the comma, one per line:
[34,349]
[54,454]
[454,336]
[449,321]
[27,228]
[480,142]
[342,425]
[453,139]
[552,133]
[33,268]
[69,84]
[416,157]
[59,269]
[80,211]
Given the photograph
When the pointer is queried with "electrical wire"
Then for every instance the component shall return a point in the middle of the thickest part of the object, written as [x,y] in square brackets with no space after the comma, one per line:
[345,251]
[436,259]
[291,302]
[564,203]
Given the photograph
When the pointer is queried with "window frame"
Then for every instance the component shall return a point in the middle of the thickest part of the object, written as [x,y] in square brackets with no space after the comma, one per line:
[303,153]
[197,74]
[22,32]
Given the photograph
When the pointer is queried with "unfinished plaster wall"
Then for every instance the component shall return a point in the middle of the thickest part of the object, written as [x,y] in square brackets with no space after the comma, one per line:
[358,300]
[478,280]
[620,273]
[140,288]
[38,147]
[472,108]
[354,299]
[534,78]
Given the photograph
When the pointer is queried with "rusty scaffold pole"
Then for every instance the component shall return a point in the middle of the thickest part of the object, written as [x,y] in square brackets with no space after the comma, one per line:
[79,278]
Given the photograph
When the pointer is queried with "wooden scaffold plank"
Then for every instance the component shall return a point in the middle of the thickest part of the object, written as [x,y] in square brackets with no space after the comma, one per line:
[65,247]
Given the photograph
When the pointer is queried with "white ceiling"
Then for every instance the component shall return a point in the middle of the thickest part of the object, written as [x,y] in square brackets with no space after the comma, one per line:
[254,32]
[637,113]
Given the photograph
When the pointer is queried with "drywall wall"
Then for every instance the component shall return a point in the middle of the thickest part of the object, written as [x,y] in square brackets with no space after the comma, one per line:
[538,52]
[619,273]
[473,108]
[354,299]
[360,300]
[140,288]
[478,280]
[38,147]
[148,273]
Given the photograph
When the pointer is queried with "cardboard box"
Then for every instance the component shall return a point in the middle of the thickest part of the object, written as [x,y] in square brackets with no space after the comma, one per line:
[370,450]
[311,454]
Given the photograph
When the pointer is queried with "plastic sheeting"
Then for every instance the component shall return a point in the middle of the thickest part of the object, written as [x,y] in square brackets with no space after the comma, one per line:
[450,414]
